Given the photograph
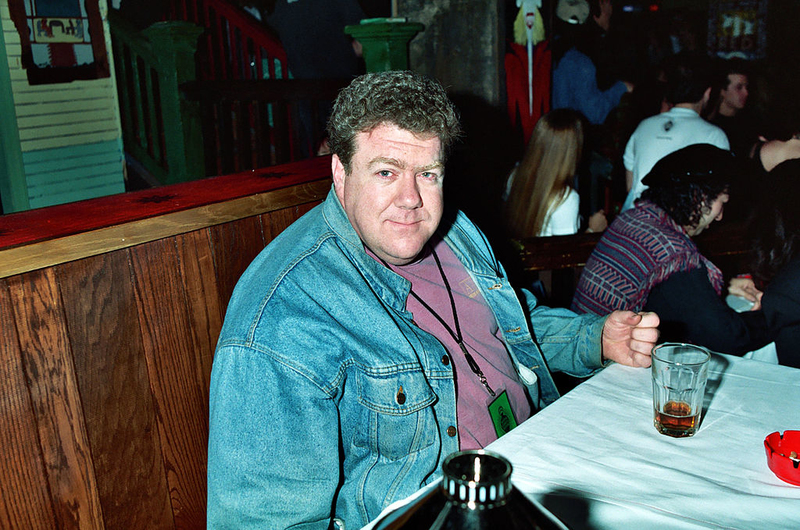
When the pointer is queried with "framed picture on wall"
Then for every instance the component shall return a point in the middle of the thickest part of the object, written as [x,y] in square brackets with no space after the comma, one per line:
[737,28]
[62,40]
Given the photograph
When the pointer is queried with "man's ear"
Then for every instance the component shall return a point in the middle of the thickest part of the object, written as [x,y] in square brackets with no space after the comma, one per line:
[338,174]
[707,95]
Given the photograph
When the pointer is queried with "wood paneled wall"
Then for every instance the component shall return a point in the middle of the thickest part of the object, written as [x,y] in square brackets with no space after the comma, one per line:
[70,135]
[105,363]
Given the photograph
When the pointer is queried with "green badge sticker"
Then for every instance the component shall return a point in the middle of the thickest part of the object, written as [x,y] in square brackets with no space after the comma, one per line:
[502,415]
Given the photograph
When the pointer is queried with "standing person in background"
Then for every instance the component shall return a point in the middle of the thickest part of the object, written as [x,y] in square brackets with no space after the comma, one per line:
[585,80]
[575,71]
[541,198]
[688,92]
[729,110]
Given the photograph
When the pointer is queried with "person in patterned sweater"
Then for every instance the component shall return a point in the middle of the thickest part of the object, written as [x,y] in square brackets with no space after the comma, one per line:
[647,260]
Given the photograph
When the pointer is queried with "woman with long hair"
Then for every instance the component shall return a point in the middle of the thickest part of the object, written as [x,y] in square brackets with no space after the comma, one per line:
[542,200]
[775,232]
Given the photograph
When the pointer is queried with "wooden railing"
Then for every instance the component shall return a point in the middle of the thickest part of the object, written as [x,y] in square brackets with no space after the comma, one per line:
[248,124]
[160,129]
[242,129]
[242,111]
[235,45]
[110,311]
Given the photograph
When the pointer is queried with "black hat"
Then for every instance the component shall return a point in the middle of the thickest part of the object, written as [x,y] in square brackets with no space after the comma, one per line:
[695,164]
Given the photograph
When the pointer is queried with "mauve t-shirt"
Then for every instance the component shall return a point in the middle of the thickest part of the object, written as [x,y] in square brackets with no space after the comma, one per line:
[481,336]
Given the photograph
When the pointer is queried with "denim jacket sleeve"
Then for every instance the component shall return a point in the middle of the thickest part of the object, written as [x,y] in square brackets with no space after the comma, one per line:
[570,343]
[267,467]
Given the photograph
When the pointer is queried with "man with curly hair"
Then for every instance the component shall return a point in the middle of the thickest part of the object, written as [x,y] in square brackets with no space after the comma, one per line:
[377,334]
[647,261]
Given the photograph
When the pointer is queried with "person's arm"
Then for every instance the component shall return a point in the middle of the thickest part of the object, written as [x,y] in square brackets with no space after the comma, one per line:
[691,311]
[273,451]
[579,345]
[781,303]
[782,312]
[745,287]
[628,180]
[570,343]
[595,103]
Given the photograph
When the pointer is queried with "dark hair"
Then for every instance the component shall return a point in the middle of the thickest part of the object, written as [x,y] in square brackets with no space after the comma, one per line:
[594,8]
[774,225]
[729,67]
[688,77]
[686,182]
[408,100]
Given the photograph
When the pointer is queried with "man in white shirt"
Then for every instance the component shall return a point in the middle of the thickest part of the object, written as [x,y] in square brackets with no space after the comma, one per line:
[688,91]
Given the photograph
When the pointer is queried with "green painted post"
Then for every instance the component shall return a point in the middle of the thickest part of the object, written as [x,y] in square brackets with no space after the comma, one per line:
[13,185]
[175,44]
[384,42]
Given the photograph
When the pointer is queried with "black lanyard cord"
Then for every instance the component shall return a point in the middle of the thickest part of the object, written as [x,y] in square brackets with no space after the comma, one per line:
[457,336]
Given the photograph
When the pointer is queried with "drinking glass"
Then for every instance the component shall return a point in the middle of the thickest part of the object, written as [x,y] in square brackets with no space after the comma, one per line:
[679,372]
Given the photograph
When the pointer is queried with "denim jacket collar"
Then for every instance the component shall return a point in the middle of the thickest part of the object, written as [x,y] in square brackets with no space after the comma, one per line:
[393,288]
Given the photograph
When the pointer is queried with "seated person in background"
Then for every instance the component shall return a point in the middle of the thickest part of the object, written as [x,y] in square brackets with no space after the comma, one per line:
[333,391]
[646,259]
[541,198]
[775,227]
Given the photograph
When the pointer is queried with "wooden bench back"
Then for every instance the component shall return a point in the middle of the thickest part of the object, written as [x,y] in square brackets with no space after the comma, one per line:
[107,335]
[725,244]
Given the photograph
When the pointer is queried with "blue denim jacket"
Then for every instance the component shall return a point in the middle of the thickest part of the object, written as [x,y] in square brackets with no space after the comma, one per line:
[305,422]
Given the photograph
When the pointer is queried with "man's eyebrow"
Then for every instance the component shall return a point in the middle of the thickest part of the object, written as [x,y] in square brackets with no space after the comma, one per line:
[402,165]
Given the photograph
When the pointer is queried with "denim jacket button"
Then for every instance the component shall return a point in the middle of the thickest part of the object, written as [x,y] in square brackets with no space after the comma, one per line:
[451,431]
[445,360]
[401,397]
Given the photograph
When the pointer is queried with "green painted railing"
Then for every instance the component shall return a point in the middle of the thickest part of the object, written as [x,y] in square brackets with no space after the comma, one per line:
[160,128]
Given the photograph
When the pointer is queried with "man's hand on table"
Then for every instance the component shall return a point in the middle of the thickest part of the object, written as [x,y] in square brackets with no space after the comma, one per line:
[629,337]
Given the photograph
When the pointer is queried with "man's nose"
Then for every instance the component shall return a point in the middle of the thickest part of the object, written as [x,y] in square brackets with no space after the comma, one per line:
[408,196]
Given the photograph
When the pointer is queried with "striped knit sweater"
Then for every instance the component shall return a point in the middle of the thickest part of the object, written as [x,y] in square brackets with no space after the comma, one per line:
[641,248]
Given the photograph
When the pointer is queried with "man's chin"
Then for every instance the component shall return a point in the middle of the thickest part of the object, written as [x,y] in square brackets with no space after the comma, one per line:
[404,255]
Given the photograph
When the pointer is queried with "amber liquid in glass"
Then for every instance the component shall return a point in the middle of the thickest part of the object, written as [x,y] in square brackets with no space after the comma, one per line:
[676,420]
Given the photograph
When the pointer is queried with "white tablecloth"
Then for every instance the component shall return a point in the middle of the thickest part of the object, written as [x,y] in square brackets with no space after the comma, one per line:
[596,461]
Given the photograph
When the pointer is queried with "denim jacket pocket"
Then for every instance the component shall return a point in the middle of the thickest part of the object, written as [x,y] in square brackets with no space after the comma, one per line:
[397,411]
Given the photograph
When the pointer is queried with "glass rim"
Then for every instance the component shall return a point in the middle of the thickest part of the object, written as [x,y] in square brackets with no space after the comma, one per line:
[699,349]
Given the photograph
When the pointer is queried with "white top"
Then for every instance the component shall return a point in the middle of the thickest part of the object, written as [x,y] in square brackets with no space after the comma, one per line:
[564,220]
[662,134]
